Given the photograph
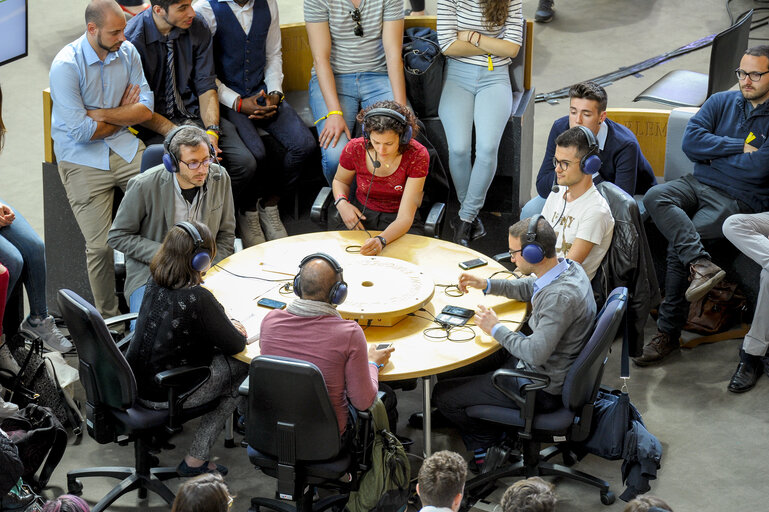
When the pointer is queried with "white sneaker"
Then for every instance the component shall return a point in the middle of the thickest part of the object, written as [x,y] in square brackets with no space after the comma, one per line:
[49,333]
[7,362]
[269,217]
[250,229]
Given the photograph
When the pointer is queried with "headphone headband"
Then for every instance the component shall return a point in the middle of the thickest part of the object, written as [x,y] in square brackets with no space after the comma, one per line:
[531,250]
[338,292]
[201,257]
[590,163]
[170,160]
[403,137]
[323,256]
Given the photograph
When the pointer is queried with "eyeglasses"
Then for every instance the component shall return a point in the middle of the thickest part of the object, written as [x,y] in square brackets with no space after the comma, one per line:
[513,253]
[755,76]
[563,164]
[355,15]
[195,164]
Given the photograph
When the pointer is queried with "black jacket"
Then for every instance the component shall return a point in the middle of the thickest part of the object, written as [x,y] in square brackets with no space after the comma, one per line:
[628,263]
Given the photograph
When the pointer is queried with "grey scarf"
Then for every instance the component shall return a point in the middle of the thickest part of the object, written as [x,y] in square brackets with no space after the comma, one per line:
[305,307]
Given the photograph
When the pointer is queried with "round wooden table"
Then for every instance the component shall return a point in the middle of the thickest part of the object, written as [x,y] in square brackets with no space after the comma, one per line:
[416,355]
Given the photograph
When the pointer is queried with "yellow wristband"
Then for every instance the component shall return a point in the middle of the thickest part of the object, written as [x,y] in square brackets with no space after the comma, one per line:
[337,112]
[211,132]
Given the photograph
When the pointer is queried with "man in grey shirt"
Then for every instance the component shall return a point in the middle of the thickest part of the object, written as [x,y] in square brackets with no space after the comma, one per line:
[562,315]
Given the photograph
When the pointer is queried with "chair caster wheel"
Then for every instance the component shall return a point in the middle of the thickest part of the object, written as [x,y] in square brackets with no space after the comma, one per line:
[568,459]
[74,487]
[608,498]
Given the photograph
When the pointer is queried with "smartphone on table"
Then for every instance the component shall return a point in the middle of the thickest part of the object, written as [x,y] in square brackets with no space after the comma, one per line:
[477,262]
[271,303]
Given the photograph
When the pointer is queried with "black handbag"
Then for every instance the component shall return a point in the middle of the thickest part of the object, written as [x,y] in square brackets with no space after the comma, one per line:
[423,69]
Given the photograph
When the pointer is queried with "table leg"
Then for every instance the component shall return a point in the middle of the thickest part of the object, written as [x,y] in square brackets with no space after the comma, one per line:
[426,416]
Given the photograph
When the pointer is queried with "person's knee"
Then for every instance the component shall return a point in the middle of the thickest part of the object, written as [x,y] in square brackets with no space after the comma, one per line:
[98,251]
[14,262]
[731,225]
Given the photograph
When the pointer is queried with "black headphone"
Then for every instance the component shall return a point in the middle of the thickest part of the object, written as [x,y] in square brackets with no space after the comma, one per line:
[404,137]
[338,292]
[170,161]
[532,251]
[201,257]
[590,163]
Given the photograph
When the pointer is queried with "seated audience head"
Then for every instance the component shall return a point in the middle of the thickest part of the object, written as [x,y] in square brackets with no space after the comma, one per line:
[105,23]
[529,495]
[647,504]
[442,480]
[186,252]
[576,157]
[320,278]
[66,503]
[587,105]
[754,62]
[531,242]
[189,154]
[173,13]
[206,493]
[388,127]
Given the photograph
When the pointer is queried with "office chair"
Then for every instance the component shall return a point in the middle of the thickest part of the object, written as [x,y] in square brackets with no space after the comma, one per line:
[682,88]
[569,424]
[113,410]
[292,435]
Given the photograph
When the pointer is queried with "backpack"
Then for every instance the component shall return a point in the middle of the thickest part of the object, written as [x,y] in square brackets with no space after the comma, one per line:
[384,487]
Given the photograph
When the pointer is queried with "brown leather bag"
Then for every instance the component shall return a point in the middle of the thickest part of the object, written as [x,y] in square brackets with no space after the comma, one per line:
[717,311]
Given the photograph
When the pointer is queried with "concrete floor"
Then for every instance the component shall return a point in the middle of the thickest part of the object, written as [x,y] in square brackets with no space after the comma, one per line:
[714,442]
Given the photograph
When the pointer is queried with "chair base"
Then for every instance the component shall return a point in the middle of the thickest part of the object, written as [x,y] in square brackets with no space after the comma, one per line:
[131,480]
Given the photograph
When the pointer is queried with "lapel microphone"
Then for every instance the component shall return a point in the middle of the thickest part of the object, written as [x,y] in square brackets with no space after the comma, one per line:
[555,187]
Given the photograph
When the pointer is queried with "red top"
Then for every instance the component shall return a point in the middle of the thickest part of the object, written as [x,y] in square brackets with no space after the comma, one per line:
[387,191]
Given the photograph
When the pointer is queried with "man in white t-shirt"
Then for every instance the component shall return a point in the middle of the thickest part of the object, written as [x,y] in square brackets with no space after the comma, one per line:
[578,213]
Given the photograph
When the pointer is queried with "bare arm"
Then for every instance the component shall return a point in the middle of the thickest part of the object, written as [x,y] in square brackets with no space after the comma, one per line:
[392,41]
[462,47]
[159,124]
[579,250]
[412,198]
[209,113]
[341,187]
[129,112]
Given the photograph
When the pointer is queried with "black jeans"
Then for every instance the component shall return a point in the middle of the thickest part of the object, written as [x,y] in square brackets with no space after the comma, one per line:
[686,212]
[374,220]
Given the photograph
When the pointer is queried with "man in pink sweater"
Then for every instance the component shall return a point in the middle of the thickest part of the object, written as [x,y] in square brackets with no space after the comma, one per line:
[312,330]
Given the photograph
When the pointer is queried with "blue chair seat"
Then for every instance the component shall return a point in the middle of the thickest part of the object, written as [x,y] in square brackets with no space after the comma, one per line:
[553,422]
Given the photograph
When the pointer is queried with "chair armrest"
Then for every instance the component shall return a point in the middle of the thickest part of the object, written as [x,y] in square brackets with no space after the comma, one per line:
[504,380]
[120,319]
[319,210]
[244,386]
[122,345]
[434,220]
[190,378]
[502,256]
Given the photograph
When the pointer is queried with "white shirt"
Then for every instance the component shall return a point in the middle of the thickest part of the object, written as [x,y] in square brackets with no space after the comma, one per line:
[588,217]
[273,69]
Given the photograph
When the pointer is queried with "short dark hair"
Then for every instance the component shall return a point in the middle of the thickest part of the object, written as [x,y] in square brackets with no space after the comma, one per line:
[381,124]
[172,265]
[590,91]
[164,4]
[644,503]
[317,281]
[545,234]
[441,477]
[758,51]
[574,138]
[206,493]
[187,135]
[530,495]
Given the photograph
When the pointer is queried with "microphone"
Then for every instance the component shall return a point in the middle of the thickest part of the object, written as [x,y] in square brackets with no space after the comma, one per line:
[376,164]
[555,187]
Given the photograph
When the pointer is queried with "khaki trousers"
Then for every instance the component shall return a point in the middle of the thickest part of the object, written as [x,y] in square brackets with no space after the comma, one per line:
[90,193]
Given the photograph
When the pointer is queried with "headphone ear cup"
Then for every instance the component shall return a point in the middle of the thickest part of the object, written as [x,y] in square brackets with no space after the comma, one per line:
[406,135]
[297,287]
[533,253]
[591,164]
[201,261]
[169,162]
[338,293]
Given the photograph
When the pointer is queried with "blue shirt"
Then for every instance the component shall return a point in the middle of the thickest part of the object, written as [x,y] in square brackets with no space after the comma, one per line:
[80,81]
[193,58]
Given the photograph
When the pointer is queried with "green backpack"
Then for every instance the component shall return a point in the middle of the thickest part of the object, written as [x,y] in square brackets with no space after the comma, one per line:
[385,486]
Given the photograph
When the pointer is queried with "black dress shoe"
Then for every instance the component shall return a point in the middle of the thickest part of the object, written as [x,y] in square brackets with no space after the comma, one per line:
[746,375]
[478,230]
[438,420]
[462,232]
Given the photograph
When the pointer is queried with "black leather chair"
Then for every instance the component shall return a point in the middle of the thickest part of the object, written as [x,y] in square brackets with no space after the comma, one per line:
[683,88]
[292,435]
[112,406]
[569,424]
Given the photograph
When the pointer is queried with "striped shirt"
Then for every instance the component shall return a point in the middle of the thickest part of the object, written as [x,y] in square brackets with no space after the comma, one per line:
[351,53]
[457,15]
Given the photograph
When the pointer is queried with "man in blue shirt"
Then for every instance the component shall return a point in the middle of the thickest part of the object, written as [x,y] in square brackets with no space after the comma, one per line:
[171,37]
[98,89]
[726,140]
[622,161]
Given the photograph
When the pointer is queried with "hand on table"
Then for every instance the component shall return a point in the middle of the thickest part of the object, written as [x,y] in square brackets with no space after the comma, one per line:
[371,247]
[468,280]
[485,318]
[6,215]
[239,327]
[379,356]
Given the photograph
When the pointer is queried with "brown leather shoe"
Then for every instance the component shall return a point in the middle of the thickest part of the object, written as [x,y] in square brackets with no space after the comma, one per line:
[705,275]
[660,346]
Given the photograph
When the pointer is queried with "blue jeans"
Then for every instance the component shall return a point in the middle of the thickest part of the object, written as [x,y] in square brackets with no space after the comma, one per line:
[533,207]
[474,93]
[23,253]
[355,91]
[135,302]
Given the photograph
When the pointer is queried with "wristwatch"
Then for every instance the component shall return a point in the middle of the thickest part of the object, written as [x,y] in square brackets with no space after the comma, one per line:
[214,128]
[280,94]
[382,239]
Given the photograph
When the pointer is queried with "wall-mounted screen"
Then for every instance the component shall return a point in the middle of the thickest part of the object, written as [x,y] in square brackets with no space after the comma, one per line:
[13,30]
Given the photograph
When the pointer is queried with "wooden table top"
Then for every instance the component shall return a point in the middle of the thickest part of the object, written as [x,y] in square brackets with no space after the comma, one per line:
[415,355]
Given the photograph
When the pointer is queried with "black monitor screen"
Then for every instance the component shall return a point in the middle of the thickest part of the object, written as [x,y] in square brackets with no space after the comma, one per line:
[13,30]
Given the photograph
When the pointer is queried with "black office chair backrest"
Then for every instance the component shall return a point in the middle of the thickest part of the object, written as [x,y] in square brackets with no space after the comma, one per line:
[582,381]
[104,372]
[153,156]
[726,53]
[289,393]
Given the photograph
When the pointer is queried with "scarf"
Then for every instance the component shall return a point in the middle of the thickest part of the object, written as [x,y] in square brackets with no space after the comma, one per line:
[305,307]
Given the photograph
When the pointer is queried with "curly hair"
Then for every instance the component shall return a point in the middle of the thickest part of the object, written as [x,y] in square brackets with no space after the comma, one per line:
[381,124]
[530,495]
[494,12]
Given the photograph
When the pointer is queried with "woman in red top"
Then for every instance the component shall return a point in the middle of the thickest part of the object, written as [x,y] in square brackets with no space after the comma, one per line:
[389,168]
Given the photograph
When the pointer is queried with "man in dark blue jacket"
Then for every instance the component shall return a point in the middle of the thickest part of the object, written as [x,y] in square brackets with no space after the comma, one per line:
[726,140]
[622,161]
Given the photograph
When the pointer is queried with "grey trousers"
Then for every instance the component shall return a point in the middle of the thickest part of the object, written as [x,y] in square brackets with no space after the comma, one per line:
[750,234]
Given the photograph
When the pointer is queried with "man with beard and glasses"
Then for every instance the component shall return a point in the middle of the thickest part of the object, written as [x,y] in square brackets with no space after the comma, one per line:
[98,90]
[726,140]
[176,49]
